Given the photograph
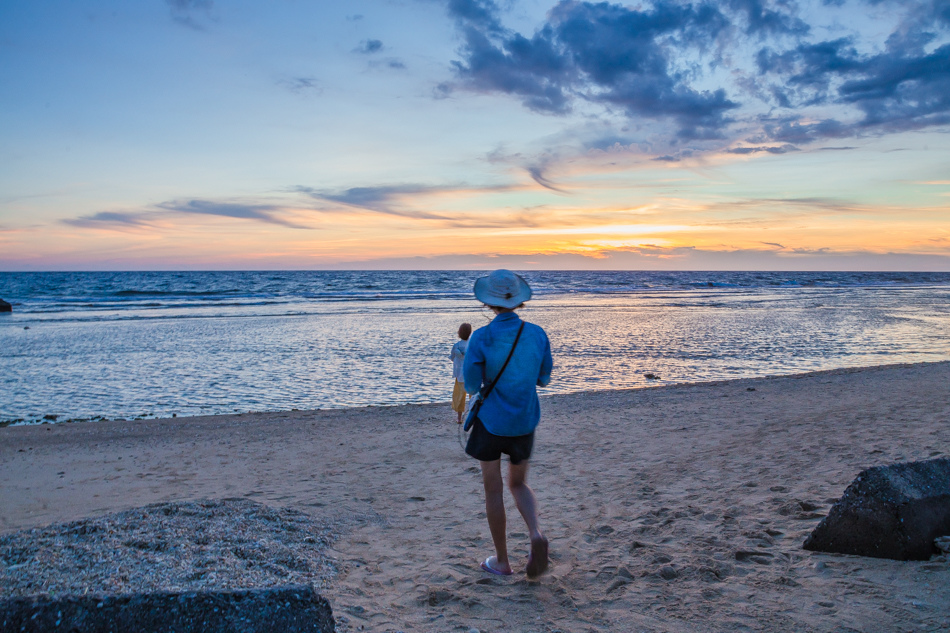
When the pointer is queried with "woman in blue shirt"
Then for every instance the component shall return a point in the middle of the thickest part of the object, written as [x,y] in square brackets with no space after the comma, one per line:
[511,412]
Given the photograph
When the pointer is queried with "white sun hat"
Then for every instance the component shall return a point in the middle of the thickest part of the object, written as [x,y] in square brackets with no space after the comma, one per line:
[502,289]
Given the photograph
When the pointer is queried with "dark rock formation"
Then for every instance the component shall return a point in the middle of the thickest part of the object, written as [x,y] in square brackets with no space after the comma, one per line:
[5,307]
[290,609]
[891,511]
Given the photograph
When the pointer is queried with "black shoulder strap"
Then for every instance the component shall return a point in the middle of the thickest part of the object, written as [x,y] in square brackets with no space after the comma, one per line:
[502,370]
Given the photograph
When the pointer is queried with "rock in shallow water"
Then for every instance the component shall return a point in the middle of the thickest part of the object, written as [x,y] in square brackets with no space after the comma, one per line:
[5,307]
[291,609]
[894,511]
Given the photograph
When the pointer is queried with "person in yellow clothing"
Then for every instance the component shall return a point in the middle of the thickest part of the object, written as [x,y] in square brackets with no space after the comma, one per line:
[457,356]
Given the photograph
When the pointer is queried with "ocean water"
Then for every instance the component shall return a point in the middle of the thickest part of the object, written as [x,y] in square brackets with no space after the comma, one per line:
[153,344]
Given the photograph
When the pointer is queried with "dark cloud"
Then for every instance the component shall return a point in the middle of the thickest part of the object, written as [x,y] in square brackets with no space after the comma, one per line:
[901,91]
[807,70]
[653,61]
[795,130]
[368,47]
[531,69]
[895,90]
[781,149]
[478,14]
[942,10]
[763,20]
[602,53]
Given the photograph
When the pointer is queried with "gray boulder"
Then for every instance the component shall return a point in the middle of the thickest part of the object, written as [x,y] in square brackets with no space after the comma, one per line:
[290,609]
[5,307]
[894,511]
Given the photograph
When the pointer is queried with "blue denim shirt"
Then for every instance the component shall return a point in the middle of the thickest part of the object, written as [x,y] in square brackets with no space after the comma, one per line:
[512,408]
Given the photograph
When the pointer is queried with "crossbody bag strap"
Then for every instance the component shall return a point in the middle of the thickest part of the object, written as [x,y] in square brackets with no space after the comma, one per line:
[502,370]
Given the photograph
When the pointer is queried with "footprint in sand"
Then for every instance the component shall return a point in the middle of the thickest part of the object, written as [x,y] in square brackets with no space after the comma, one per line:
[762,558]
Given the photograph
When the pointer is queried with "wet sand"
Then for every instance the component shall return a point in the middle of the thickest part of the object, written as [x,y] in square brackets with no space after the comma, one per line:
[668,509]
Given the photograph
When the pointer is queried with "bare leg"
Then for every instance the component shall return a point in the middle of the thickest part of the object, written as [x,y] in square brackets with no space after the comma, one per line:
[528,506]
[524,497]
[495,509]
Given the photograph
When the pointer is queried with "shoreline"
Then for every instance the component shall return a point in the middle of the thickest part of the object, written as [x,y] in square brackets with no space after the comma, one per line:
[670,508]
[54,419]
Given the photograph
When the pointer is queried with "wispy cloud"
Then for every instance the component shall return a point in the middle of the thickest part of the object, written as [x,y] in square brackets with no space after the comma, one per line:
[189,13]
[386,199]
[369,47]
[261,212]
[768,210]
[111,219]
[392,64]
[780,149]
[160,214]
[302,85]
[537,174]
[398,200]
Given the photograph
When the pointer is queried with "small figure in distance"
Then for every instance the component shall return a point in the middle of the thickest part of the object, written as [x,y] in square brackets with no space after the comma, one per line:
[458,355]
[508,359]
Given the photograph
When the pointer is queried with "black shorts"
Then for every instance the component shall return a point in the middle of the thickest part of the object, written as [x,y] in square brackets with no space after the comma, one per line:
[486,447]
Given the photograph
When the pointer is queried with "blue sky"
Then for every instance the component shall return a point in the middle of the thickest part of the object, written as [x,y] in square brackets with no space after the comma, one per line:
[176,134]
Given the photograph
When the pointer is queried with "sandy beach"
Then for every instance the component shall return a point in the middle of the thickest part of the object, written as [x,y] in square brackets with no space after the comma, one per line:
[677,508]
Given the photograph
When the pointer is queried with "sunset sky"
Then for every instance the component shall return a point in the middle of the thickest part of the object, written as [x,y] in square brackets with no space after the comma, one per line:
[291,134]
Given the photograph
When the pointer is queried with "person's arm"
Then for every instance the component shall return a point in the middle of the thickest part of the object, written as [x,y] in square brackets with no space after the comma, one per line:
[473,365]
[547,364]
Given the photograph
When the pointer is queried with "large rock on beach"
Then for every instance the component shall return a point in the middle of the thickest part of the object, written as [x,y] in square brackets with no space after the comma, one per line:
[5,307]
[289,609]
[894,511]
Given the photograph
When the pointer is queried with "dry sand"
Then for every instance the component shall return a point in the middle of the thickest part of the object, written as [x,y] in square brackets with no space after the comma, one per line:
[669,509]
